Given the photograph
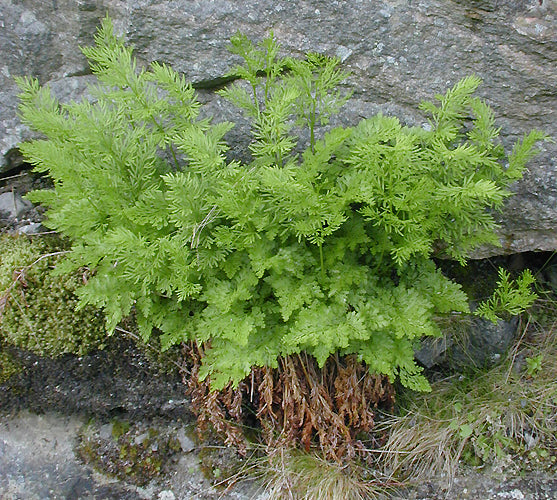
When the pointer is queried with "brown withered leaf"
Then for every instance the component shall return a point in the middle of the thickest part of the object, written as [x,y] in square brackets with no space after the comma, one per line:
[296,404]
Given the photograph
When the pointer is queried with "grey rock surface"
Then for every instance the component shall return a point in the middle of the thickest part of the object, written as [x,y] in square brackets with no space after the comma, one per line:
[117,381]
[13,205]
[399,53]
[52,404]
[38,460]
[469,343]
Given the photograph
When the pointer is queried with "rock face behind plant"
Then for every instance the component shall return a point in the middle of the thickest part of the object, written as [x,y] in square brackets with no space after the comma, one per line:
[469,343]
[399,53]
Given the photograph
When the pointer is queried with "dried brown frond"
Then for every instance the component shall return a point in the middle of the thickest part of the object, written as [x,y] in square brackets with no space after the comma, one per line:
[220,411]
[331,405]
[297,404]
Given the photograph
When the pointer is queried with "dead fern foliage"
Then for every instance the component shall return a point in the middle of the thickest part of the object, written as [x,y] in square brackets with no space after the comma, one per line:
[217,411]
[297,404]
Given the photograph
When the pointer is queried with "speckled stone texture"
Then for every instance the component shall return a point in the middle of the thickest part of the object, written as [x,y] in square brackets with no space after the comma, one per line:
[399,53]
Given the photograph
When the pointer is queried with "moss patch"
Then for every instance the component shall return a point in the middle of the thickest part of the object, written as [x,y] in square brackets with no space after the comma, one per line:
[134,452]
[8,366]
[38,308]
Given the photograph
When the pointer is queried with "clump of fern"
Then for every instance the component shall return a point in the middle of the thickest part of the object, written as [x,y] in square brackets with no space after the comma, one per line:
[322,253]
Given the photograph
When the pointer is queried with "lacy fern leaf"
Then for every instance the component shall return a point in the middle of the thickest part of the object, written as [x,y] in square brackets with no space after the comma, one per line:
[322,250]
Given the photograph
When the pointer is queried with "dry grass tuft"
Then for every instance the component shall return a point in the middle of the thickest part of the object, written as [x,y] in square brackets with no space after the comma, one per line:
[294,475]
[488,417]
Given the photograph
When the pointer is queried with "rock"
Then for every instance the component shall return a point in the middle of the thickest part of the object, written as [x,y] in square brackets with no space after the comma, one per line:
[37,460]
[139,440]
[469,342]
[186,443]
[13,205]
[399,53]
[105,431]
[483,342]
[30,229]
[433,351]
[115,382]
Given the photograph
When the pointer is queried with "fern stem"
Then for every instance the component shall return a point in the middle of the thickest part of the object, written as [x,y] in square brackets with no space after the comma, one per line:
[321,260]
[174,157]
[88,198]
[312,126]
[379,263]
[255,101]
[161,129]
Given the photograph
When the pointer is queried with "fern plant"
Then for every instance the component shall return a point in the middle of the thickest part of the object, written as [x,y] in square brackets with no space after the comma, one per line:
[509,298]
[320,248]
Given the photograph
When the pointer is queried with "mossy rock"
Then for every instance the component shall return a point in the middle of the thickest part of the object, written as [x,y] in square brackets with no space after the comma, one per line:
[130,451]
[8,366]
[38,309]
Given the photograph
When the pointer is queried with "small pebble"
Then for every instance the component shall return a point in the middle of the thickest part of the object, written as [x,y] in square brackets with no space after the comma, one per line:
[166,495]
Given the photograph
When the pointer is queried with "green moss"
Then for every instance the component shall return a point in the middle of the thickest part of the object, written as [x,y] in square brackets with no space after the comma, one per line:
[119,428]
[137,454]
[8,367]
[38,308]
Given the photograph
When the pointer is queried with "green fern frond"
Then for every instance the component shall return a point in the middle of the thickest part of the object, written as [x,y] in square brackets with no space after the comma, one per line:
[321,243]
